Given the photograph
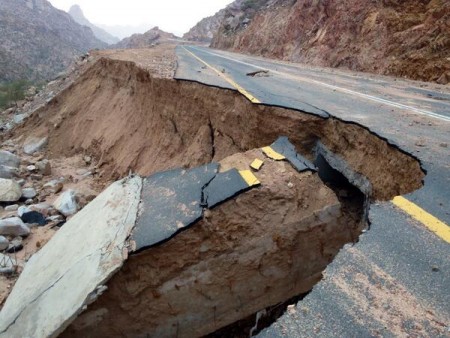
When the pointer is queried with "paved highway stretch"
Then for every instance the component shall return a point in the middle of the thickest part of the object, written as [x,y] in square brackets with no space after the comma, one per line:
[395,280]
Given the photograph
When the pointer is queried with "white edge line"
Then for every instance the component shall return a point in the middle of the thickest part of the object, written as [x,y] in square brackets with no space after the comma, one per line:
[348,91]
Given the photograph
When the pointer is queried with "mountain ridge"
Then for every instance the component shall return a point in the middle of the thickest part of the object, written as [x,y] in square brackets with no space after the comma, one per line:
[77,14]
[400,38]
[37,41]
[145,40]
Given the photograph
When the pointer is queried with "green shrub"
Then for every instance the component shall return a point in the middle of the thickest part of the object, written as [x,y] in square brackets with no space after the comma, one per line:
[12,92]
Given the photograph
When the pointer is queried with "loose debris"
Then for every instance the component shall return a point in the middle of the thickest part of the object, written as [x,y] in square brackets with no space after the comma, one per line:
[259,73]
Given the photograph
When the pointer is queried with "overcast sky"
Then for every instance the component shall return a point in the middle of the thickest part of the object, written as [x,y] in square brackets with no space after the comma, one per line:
[175,16]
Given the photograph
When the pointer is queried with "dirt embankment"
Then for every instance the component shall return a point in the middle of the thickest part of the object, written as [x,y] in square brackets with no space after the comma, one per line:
[130,121]
[127,120]
[400,38]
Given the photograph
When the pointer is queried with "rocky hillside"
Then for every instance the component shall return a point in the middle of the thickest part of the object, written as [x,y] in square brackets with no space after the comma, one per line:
[401,38]
[205,29]
[37,41]
[150,38]
[77,14]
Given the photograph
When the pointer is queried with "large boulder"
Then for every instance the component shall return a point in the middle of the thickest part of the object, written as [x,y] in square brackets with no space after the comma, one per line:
[8,172]
[9,164]
[4,243]
[10,190]
[82,255]
[34,144]
[13,227]
[66,203]
[8,159]
[28,193]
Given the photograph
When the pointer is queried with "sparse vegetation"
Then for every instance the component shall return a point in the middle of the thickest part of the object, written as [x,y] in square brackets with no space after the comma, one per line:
[12,92]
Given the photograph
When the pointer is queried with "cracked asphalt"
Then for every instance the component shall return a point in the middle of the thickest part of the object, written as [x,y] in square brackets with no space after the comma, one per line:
[395,280]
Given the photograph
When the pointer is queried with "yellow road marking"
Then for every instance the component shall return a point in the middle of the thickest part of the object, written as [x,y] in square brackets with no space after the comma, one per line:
[273,154]
[249,178]
[257,164]
[226,78]
[435,225]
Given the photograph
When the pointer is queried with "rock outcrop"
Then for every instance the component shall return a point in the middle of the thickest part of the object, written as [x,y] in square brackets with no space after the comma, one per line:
[38,41]
[150,38]
[77,14]
[401,38]
[204,30]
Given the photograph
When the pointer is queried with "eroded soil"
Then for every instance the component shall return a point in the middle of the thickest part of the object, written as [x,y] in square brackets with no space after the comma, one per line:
[129,120]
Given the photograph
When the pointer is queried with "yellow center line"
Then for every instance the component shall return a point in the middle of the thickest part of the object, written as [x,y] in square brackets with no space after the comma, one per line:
[432,223]
[226,78]
[273,154]
[249,178]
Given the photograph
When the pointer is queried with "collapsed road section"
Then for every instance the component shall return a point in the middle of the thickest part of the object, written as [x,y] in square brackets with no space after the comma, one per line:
[218,225]
[192,256]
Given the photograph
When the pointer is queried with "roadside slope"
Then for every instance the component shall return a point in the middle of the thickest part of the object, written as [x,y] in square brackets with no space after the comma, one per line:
[401,38]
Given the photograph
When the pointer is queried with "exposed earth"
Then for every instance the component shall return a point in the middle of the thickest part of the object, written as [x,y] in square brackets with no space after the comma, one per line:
[121,112]
[401,38]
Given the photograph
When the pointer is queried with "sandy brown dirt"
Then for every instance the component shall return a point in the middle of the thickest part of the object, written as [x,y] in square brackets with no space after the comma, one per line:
[159,62]
[130,121]
[389,302]
[268,244]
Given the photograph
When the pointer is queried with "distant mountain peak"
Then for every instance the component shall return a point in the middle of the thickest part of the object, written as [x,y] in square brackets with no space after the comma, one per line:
[76,10]
[77,14]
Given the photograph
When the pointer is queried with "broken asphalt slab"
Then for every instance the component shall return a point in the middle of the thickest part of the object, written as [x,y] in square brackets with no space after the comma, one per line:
[87,256]
[283,149]
[171,200]
[156,207]
[175,199]
[68,273]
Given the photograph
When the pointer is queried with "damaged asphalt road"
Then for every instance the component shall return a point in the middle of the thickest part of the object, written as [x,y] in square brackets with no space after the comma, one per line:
[255,250]
[399,248]
[175,199]
[142,218]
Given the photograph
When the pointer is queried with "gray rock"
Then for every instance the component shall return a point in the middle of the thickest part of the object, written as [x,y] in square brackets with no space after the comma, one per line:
[76,259]
[13,207]
[44,167]
[22,210]
[8,172]
[19,118]
[66,203]
[36,177]
[21,181]
[13,227]
[8,159]
[43,208]
[55,218]
[31,168]
[28,193]
[29,201]
[9,190]
[15,245]
[54,186]
[34,144]
[4,243]
[82,172]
